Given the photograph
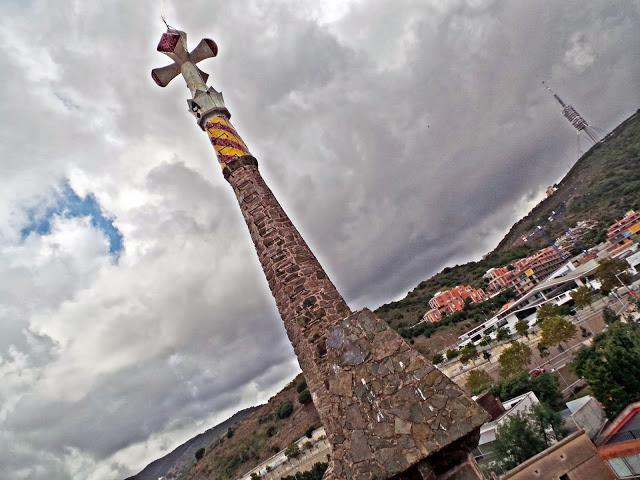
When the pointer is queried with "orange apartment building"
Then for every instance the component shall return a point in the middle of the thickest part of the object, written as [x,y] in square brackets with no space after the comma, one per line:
[527,272]
[622,229]
[451,301]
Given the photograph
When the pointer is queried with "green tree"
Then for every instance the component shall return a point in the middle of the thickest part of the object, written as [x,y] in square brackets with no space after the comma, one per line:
[469,353]
[607,271]
[486,354]
[522,327]
[514,359]
[556,330]
[546,311]
[545,386]
[316,473]
[300,387]
[304,397]
[452,353]
[285,409]
[292,451]
[517,440]
[609,316]
[478,381]
[549,423]
[582,297]
[437,359]
[199,454]
[503,334]
[611,366]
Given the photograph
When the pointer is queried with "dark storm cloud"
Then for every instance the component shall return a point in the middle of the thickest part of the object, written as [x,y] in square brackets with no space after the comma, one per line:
[400,136]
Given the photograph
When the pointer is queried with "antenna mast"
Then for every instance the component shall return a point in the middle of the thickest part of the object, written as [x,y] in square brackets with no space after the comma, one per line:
[575,119]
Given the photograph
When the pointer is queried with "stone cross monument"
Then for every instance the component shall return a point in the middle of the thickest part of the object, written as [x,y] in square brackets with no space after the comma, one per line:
[387,411]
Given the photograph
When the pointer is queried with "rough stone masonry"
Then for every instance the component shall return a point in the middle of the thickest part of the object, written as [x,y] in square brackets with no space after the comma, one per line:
[387,411]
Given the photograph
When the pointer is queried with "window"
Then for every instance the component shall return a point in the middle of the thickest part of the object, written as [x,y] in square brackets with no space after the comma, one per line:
[634,463]
[620,467]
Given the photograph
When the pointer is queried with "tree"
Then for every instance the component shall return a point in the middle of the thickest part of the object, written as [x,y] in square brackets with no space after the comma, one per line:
[452,353]
[469,353]
[545,386]
[437,359]
[543,349]
[548,419]
[285,409]
[516,441]
[546,311]
[487,355]
[300,387]
[582,297]
[292,451]
[609,316]
[514,359]
[316,473]
[611,366]
[304,397]
[522,327]
[607,271]
[556,330]
[199,454]
[503,334]
[478,381]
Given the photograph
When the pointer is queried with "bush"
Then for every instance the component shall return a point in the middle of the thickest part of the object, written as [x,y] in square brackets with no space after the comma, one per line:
[230,432]
[285,409]
[199,454]
[438,358]
[452,353]
[271,431]
[316,473]
[292,451]
[301,386]
[304,397]
[309,432]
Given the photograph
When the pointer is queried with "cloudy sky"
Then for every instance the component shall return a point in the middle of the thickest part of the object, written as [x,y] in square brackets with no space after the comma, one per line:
[401,136]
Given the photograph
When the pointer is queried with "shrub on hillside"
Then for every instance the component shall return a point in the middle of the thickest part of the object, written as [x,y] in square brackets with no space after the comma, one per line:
[285,409]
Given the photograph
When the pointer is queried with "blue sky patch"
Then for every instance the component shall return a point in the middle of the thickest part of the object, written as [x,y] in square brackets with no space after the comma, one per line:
[70,205]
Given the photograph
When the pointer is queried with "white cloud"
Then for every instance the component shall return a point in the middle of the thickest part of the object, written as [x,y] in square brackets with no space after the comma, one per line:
[106,365]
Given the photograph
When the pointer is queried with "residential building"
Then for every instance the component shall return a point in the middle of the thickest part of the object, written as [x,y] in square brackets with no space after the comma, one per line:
[526,272]
[624,228]
[572,458]
[488,432]
[432,316]
[451,301]
[619,443]
[584,413]
[555,289]
[499,278]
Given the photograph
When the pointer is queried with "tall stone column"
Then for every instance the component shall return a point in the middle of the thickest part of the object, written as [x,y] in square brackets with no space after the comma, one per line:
[388,412]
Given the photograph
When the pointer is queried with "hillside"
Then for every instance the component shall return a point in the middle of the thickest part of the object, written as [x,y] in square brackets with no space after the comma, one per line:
[183,456]
[601,186]
[257,438]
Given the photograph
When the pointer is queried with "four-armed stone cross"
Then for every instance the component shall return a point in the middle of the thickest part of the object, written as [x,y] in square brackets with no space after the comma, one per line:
[388,413]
